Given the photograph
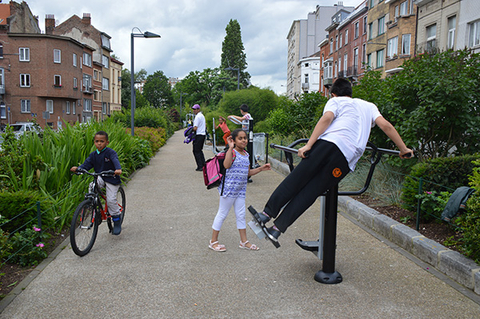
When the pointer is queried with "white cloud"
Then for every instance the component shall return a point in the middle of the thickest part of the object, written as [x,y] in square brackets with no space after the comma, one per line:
[192,31]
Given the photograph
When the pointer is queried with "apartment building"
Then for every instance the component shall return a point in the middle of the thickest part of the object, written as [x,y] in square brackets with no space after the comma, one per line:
[40,73]
[310,73]
[115,84]
[468,34]
[436,24]
[377,17]
[303,39]
[83,31]
[401,31]
[343,53]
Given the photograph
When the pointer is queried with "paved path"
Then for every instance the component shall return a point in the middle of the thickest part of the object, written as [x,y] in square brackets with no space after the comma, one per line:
[160,266]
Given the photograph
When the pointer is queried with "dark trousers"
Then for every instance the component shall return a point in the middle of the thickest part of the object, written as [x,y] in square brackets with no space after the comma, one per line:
[325,167]
[197,150]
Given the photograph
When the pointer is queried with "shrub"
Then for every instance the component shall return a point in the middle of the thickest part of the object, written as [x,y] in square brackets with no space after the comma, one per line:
[433,204]
[27,247]
[439,174]
[156,137]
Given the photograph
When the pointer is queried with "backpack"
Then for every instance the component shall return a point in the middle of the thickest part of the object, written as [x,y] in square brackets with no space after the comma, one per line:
[214,171]
[189,134]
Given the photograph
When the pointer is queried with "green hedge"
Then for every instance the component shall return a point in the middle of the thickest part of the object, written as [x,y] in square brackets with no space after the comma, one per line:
[439,174]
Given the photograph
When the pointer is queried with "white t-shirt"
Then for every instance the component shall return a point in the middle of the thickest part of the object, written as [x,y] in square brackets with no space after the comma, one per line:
[199,122]
[246,121]
[351,125]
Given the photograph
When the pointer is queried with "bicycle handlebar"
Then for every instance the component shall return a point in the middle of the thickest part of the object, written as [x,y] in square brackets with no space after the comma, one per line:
[81,171]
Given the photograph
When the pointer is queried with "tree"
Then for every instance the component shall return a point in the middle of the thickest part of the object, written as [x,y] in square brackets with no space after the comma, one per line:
[434,102]
[157,90]
[139,77]
[233,54]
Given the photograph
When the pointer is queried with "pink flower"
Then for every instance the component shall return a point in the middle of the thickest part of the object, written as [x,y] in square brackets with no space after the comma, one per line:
[36,229]
[429,193]
[41,245]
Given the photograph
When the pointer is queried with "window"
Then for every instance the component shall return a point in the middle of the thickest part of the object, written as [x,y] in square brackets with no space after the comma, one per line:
[49,106]
[370,31]
[346,36]
[87,59]
[331,45]
[104,104]
[96,75]
[403,8]
[370,3]
[105,84]
[356,30]
[24,80]
[364,25]
[57,81]
[57,56]
[24,54]
[75,83]
[1,51]
[328,70]
[380,54]
[336,43]
[431,37]
[3,110]
[25,106]
[345,61]
[474,34]
[364,53]
[74,107]
[396,13]
[392,47]
[411,6]
[105,41]
[67,107]
[105,61]
[406,44]
[74,60]
[2,78]
[381,25]
[87,83]
[369,60]
[340,40]
[355,61]
[96,95]
[87,105]
[451,32]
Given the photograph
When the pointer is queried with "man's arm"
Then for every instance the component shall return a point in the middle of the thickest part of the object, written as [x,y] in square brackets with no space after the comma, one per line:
[322,124]
[392,133]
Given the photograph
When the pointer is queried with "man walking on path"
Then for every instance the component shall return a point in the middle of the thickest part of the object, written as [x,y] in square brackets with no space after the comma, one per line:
[199,128]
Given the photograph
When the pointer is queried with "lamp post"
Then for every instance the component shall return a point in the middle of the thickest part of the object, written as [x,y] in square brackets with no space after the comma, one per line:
[133,35]
[238,75]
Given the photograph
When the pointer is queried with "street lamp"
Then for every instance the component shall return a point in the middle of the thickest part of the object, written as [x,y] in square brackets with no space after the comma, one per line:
[238,75]
[145,34]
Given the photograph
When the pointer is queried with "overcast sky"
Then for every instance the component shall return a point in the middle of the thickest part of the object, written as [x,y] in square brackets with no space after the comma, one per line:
[192,31]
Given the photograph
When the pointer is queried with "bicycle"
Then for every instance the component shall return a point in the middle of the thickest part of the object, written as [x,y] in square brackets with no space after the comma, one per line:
[89,214]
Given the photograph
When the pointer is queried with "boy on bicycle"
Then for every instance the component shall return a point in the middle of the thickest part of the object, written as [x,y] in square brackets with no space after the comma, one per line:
[105,159]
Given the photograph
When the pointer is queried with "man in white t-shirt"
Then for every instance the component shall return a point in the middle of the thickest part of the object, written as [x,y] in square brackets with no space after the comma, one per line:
[200,131]
[335,145]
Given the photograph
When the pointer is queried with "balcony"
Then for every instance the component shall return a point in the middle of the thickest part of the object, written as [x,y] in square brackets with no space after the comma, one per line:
[88,90]
[328,82]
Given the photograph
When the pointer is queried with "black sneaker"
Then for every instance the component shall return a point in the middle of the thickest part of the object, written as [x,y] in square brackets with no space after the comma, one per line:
[273,234]
[263,219]
[199,169]
[117,225]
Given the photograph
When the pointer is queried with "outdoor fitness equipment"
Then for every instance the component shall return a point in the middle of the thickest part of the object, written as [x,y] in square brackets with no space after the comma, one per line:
[324,247]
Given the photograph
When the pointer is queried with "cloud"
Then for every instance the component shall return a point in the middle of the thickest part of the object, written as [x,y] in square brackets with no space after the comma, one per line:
[192,31]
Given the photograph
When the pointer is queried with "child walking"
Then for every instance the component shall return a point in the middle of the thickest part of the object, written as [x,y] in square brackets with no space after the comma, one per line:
[224,127]
[106,159]
[233,187]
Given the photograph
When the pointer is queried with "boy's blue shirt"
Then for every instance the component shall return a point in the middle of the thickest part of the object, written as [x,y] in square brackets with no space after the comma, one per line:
[105,160]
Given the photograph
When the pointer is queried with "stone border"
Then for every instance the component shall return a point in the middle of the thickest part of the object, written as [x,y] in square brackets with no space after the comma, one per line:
[451,263]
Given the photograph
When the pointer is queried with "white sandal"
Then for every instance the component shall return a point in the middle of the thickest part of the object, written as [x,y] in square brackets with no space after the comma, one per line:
[219,247]
[244,246]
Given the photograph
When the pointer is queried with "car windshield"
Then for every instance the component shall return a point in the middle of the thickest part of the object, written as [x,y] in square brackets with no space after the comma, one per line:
[17,128]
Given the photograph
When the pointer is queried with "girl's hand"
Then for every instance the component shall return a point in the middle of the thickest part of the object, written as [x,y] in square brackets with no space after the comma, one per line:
[266,167]
[303,150]
[231,143]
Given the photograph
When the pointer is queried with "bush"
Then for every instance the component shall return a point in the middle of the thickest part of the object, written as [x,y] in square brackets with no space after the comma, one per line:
[156,137]
[21,210]
[433,205]
[438,174]
[27,247]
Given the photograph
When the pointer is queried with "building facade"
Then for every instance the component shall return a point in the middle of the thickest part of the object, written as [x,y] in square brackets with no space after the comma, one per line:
[436,24]
[468,34]
[115,85]
[41,73]
[303,39]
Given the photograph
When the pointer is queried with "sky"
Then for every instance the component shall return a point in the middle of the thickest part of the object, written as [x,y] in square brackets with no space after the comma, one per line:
[192,31]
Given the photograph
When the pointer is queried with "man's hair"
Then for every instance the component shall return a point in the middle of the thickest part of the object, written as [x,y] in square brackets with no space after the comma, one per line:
[102,133]
[244,107]
[341,87]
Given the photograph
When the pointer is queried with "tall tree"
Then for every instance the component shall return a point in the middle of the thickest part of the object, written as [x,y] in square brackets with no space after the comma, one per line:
[139,77]
[157,90]
[233,53]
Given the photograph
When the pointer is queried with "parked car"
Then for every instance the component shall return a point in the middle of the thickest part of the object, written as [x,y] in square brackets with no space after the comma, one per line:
[20,128]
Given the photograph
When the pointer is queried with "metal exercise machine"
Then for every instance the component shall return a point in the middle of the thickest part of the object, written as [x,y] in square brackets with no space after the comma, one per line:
[325,246]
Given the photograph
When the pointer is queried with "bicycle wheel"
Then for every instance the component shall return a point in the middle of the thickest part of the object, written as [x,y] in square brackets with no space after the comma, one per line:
[122,202]
[84,228]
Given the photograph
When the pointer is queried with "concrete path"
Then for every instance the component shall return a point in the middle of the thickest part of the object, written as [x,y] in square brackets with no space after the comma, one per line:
[160,266]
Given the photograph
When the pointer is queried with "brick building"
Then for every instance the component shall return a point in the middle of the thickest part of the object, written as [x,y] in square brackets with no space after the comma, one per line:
[83,31]
[41,73]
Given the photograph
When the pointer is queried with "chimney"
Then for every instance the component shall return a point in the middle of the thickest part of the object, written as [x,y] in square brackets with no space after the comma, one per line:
[49,23]
[86,18]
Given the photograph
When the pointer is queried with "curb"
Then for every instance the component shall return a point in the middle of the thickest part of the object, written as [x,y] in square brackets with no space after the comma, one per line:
[451,263]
